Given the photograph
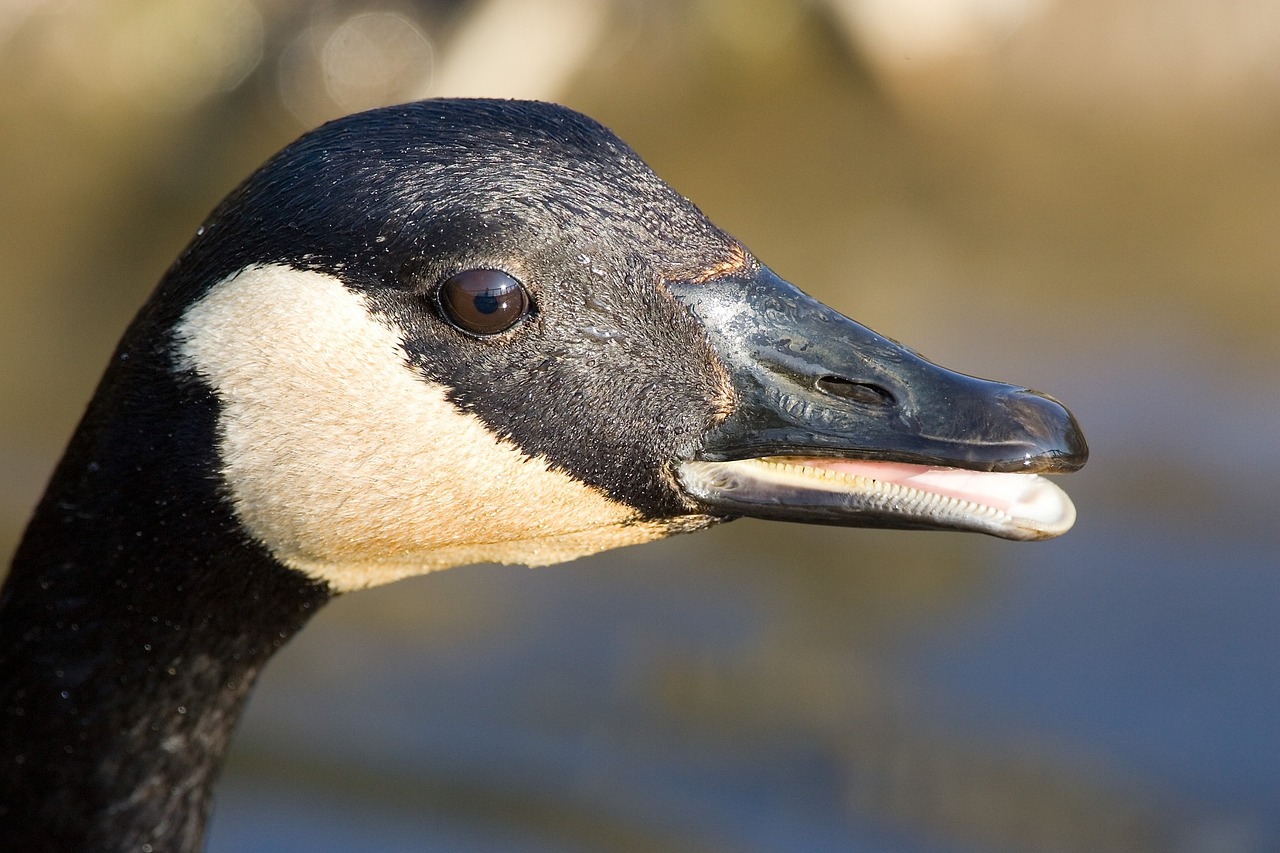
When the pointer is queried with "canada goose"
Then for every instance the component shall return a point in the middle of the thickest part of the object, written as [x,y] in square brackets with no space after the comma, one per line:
[420,337]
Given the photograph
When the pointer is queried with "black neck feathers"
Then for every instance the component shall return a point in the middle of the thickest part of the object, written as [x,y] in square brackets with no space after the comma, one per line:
[133,624]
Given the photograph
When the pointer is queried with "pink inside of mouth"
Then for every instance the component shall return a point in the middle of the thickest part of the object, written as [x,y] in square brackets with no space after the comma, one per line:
[1007,492]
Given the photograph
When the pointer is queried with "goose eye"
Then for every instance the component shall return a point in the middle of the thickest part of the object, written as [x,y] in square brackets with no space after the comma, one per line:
[483,302]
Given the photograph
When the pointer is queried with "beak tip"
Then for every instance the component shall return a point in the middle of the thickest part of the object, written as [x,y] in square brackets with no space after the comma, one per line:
[1053,431]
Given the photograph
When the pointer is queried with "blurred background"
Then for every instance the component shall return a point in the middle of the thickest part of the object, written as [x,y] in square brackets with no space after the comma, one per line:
[1082,196]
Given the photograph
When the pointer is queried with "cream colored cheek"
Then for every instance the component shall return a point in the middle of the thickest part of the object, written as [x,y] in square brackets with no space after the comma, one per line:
[349,466]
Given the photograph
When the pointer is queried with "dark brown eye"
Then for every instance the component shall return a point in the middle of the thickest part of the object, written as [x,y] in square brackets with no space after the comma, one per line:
[483,302]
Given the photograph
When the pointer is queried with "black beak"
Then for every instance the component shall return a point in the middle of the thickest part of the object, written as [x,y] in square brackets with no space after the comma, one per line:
[833,423]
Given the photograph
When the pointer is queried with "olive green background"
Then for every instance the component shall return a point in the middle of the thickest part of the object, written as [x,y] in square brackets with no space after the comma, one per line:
[1080,196]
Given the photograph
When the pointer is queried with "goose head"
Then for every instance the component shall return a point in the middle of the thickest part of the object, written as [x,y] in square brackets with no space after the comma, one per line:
[465,331]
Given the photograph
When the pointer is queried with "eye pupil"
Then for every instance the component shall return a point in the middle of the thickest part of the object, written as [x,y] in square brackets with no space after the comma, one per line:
[483,302]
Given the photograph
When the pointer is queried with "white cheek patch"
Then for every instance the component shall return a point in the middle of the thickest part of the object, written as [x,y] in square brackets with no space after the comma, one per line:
[349,466]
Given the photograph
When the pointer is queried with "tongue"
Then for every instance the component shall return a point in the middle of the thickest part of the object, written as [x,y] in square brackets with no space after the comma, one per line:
[1020,495]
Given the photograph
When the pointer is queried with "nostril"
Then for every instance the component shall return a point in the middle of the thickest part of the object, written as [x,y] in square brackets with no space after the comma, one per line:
[857,392]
